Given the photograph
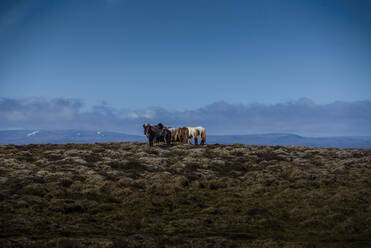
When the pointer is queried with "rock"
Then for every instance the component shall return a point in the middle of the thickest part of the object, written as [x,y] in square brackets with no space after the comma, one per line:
[94,178]
[125,181]
[42,173]
[181,181]
[3,180]
[72,160]
[21,204]
[34,189]
[178,167]
[217,162]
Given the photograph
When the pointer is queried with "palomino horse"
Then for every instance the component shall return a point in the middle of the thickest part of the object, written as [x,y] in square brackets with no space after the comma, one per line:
[158,132]
[181,135]
[194,132]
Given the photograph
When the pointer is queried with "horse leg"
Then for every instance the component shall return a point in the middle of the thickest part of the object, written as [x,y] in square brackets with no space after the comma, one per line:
[203,137]
[151,141]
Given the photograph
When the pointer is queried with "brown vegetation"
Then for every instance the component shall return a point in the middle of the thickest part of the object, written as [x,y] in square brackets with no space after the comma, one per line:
[130,195]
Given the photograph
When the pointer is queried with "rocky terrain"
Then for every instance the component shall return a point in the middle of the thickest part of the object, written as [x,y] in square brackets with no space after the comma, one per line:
[128,195]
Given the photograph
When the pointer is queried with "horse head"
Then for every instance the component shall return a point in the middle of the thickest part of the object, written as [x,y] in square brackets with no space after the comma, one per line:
[146,127]
[160,125]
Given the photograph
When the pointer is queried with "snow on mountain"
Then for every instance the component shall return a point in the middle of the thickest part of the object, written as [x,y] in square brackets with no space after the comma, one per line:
[33,133]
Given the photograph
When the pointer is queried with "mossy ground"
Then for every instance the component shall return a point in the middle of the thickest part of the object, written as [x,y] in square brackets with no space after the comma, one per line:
[130,195]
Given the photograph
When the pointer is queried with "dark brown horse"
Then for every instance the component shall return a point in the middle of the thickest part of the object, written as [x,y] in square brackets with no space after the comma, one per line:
[157,133]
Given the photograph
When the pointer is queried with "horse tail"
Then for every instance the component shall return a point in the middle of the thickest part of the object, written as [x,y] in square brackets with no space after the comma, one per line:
[203,135]
[186,135]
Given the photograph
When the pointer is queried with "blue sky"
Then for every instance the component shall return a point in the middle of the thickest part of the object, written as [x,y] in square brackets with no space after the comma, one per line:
[184,55]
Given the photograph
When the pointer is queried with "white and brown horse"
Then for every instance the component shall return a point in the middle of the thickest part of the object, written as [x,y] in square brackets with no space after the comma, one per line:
[173,132]
[195,132]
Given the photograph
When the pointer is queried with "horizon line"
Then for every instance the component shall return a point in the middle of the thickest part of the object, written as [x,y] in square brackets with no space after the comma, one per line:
[212,134]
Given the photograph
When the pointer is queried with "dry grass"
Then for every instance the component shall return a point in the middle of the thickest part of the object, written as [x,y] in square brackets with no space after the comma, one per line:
[127,195]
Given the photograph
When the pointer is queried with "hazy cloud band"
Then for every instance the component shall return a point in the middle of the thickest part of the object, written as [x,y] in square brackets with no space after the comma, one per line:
[302,117]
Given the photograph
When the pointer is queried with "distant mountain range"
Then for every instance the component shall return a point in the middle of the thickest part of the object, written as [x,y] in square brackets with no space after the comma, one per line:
[22,137]
[293,140]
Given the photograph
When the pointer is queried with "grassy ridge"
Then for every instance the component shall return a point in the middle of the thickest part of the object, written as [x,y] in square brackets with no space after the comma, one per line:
[127,195]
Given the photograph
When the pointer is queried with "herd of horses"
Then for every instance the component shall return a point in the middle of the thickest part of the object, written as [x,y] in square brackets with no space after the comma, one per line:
[161,133]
